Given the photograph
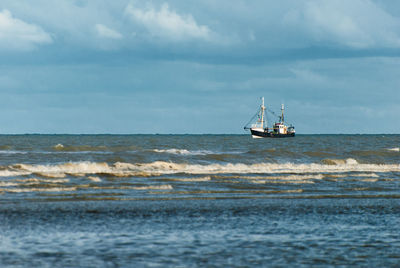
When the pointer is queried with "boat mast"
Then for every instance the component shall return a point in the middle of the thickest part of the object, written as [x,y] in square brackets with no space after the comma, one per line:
[262,113]
[282,117]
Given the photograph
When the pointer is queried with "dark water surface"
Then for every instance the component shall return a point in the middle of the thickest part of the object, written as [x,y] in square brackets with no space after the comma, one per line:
[199,200]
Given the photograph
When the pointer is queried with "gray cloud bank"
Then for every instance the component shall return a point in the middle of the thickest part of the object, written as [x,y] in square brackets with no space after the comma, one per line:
[205,26]
[335,63]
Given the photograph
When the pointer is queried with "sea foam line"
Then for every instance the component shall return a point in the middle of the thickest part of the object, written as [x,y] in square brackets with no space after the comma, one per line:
[12,152]
[50,189]
[158,168]
[195,152]
[182,151]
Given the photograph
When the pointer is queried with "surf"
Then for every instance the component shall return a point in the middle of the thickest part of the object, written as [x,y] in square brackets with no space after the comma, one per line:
[158,168]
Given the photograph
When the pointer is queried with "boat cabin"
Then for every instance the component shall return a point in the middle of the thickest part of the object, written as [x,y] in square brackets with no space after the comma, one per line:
[280,128]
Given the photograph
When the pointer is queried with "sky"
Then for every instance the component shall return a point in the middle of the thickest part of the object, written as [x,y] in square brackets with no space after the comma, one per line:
[196,67]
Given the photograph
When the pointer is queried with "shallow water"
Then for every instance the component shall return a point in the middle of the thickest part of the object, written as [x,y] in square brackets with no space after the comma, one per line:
[199,200]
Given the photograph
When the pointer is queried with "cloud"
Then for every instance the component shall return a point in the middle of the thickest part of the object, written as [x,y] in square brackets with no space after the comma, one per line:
[245,32]
[168,24]
[356,24]
[6,82]
[337,22]
[308,76]
[16,34]
[105,32]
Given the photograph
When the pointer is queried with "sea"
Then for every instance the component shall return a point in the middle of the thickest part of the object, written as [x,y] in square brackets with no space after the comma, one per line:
[199,201]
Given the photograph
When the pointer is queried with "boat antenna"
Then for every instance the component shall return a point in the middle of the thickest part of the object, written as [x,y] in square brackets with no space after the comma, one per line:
[282,117]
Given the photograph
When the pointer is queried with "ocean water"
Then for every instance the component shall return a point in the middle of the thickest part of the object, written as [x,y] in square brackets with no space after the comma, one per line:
[199,200]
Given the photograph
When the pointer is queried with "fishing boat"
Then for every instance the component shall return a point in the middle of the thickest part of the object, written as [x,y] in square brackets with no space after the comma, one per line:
[259,128]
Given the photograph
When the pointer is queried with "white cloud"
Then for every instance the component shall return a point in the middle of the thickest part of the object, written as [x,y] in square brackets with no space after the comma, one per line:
[356,23]
[337,22]
[105,32]
[16,34]
[168,24]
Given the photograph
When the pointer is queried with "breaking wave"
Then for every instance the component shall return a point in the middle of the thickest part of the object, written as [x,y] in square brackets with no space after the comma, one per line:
[371,175]
[348,161]
[94,179]
[289,179]
[6,184]
[80,148]
[148,187]
[12,152]
[153,187]
[88,148]
[158,168]
[201,179]
[183,151]
[50,189]
[35,180]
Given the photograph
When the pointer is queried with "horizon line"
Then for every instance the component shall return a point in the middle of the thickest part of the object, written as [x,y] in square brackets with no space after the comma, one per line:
[127,134]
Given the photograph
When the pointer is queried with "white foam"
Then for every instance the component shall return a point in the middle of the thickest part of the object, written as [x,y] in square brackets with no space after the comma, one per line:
[351,161]
[149,187]
[372,175]
[13,173]
[59,146]
[207,178]
[291,179]
[182,151]
[6,184]
[369,180]
[35,180]
[360,189]
[283,182]
[51,189]
[51,174]
[153,187]
[94,179]
[396,149]
[71,167]
[12,152]
[157,168]
[161,167]
[348,161]
[286,178]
